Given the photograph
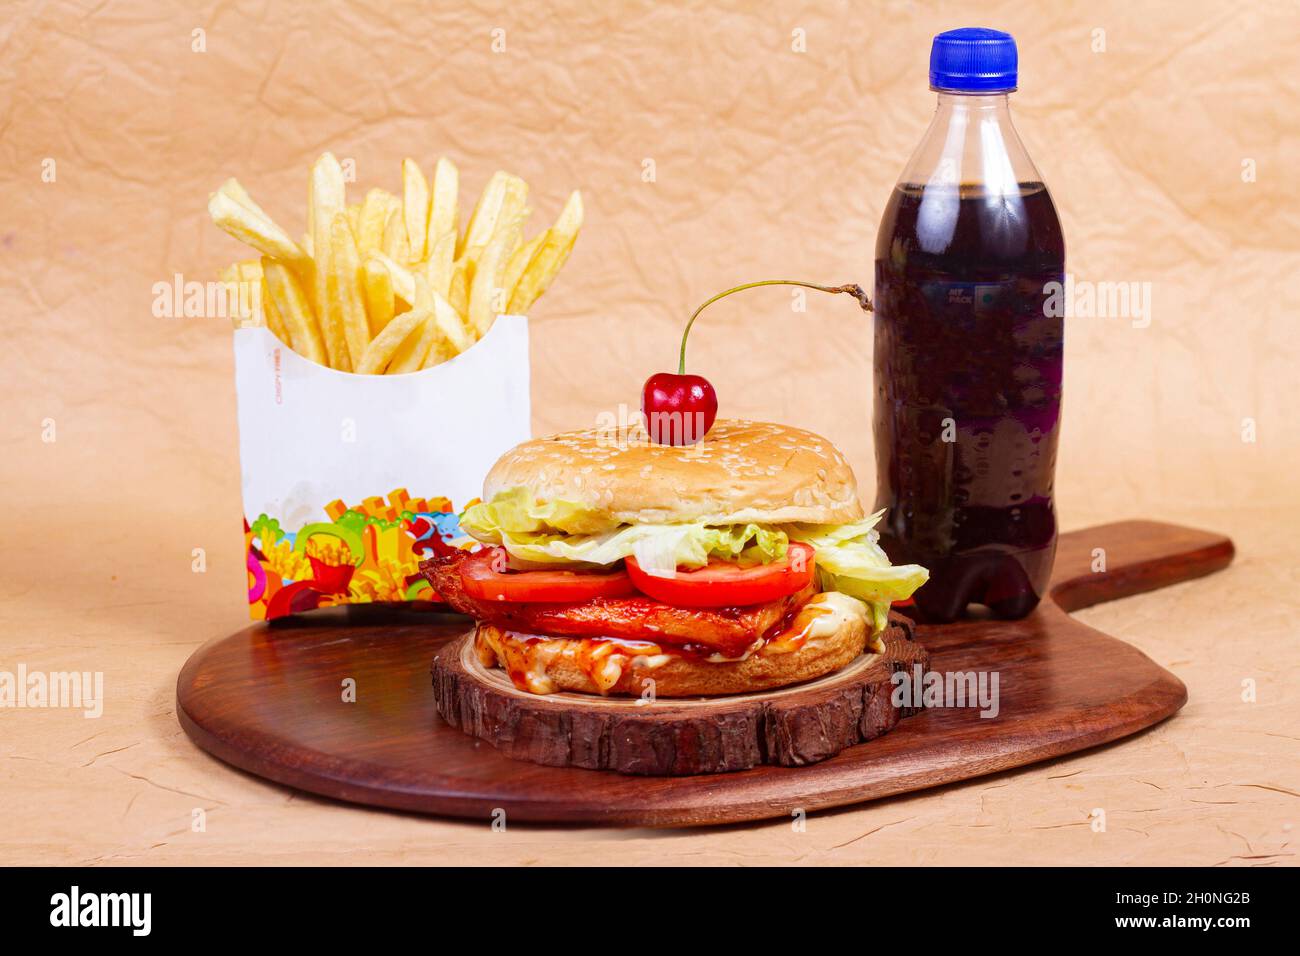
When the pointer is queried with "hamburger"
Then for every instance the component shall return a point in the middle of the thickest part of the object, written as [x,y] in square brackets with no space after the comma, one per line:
[604,564]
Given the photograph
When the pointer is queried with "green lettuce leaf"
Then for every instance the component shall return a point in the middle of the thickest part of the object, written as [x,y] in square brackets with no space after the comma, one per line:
[850,559]
[658,549]
[565,533]
[516,512]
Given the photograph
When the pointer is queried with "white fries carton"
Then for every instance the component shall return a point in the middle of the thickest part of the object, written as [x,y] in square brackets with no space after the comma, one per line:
[334,465]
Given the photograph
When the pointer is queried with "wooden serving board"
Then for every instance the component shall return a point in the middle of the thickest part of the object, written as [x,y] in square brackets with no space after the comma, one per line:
[270,700]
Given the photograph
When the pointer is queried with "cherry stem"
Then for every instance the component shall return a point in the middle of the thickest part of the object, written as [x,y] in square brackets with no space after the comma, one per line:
[852,289]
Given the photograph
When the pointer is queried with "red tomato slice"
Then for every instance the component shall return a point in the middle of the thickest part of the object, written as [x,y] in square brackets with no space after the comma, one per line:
[484,581]
[722,584]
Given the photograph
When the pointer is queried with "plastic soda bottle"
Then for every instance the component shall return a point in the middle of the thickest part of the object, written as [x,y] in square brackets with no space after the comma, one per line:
[967,356]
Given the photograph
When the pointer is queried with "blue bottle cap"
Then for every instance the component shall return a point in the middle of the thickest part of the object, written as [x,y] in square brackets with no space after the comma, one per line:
[973,60]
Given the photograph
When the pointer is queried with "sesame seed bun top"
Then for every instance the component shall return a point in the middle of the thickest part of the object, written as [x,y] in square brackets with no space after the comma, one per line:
[742,471]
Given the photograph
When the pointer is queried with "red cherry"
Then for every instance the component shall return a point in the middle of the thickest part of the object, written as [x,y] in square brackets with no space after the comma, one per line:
[679,409]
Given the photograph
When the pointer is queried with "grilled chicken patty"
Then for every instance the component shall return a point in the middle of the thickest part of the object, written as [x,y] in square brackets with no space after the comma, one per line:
[727,631]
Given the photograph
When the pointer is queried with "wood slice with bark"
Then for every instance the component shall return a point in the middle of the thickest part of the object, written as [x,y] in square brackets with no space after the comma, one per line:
[789,726]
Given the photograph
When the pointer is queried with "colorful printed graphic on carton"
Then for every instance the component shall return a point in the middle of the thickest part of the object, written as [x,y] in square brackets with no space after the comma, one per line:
[362,554]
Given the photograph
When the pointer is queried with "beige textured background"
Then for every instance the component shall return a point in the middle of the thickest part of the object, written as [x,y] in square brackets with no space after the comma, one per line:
[769,163]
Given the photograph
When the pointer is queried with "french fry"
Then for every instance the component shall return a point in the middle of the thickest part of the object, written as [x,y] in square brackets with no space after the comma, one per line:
[239,297]
[375,210]
[290,301]
[395,244]
[443,208]
[415,207]
[246,270]
[409,356]
[440,352]
[235,190]
[519,260]
[327,197]
[458,294]
[514,212]
[403,278]
[229,275]
[514,238]
[502,201]
[379,295]
[251,227]
[256,308]
[549,257]
[423,295]
[274,321]
[380,351]
[485,288]
[451,325]
[441,261]
[251,279]
[347,285]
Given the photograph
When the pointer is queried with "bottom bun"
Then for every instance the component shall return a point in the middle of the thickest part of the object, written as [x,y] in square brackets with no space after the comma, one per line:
[828,632]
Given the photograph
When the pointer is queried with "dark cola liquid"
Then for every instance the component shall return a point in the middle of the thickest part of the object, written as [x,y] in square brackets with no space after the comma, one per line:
[968,393]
